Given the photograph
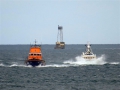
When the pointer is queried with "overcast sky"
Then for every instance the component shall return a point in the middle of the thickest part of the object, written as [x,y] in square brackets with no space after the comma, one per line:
[96,21]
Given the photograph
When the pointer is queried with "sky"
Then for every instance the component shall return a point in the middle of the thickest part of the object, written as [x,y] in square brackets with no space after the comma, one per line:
[94,21]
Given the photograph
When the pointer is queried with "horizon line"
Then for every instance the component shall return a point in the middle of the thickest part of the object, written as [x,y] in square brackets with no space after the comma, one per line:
[65,44]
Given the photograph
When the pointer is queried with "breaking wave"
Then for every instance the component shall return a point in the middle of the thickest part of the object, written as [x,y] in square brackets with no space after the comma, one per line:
[55,65]
[13,65]
[29,66]
[114,63]
[1,64]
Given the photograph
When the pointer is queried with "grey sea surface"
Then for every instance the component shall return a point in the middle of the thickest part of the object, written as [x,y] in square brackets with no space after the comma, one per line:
[65,69]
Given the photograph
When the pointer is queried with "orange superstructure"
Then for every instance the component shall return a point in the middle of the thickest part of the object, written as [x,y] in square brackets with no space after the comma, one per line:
[35,56]
[35,52]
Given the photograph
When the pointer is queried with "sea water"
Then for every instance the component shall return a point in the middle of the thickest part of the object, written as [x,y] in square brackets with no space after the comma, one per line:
[65,69]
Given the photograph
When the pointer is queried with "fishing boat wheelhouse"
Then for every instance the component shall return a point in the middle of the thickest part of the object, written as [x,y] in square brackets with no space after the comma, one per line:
[88,54]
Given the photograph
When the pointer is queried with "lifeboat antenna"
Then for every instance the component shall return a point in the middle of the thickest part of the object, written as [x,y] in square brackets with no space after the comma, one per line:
[30,44]
[41,44]
[35,42]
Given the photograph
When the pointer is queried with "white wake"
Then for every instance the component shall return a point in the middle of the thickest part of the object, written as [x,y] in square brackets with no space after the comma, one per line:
[77,61]
[81,61]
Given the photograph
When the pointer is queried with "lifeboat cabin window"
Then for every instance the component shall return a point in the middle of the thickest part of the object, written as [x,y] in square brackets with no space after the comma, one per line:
[31,54]
[35,54]
[38,54]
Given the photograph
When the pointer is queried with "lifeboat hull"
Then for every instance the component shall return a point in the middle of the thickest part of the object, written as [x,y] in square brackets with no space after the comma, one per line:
[35,63]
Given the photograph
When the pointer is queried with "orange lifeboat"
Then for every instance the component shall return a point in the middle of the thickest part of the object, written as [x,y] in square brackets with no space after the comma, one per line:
[35,56]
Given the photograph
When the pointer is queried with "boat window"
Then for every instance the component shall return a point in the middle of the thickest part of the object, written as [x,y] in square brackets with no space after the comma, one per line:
[35,54]
[31,54]
[38,54]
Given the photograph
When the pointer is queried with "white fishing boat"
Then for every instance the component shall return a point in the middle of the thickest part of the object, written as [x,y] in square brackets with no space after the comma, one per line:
[88,54]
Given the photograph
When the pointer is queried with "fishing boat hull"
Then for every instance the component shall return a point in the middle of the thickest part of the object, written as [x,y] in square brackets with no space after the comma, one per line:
[35,62]
[89,57]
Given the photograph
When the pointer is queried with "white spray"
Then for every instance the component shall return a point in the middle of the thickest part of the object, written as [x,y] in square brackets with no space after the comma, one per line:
[81,61]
